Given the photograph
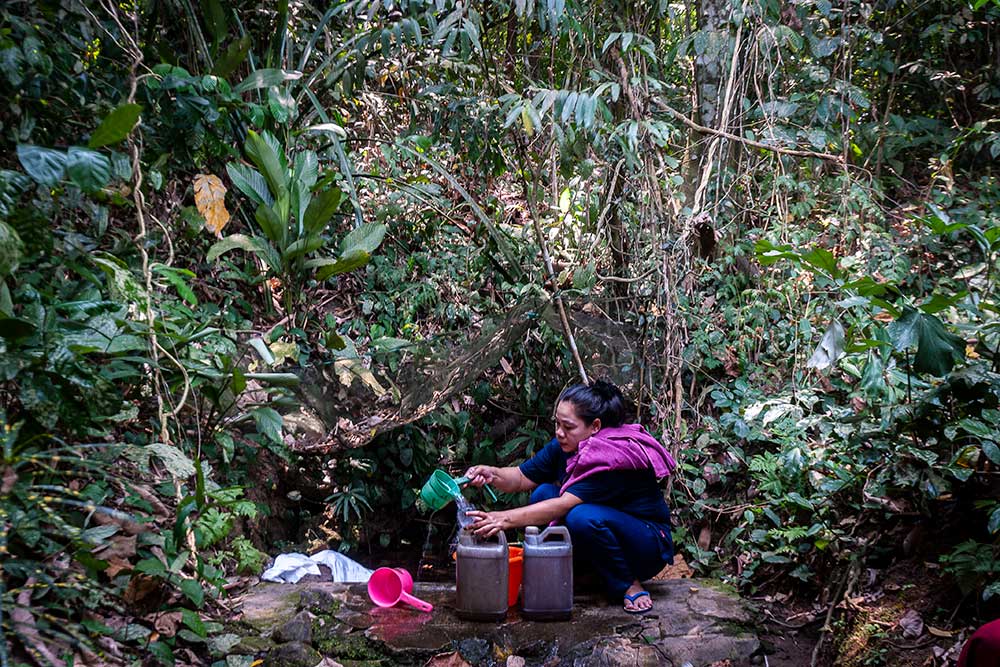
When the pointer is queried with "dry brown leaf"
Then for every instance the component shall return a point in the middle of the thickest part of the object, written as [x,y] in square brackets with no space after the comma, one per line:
[210,198]
[118,547]
[115,566]
[938,632]
[452,659]
[166,623]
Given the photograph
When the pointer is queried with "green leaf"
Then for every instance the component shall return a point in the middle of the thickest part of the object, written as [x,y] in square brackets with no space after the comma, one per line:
[231,59]
[768,253]
[45,166]
[163,653]
[263,151]
[265,78]
[193,621]
[176,462]
[302,247]
[282,105]
[11,250]
[993,525]
[116,126]
[178,278]
[822,260]
[332,128]
[269,423]
[271,224]
[88,169]
[321,209]
[830,348]
[991,450]
[937,348]
[367,237]
[249,181]
[253,244]
[194,592]
[327,268]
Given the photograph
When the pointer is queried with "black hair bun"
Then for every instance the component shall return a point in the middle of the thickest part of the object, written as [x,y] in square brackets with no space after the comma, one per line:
[605,390]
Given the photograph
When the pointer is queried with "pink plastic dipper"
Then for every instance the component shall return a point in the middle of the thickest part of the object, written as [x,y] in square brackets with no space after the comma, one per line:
[389,586]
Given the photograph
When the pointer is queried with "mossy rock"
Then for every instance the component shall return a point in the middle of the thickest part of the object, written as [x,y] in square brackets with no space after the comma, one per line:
[252,645]
[351,647]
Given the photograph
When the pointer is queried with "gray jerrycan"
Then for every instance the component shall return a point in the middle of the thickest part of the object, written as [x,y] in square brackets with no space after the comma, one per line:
[547,586]
[481,573]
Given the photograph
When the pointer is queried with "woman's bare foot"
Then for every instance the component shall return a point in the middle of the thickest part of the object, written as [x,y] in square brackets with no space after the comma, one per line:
[637,600]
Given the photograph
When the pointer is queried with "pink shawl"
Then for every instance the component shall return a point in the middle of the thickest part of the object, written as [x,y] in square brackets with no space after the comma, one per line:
[625,447]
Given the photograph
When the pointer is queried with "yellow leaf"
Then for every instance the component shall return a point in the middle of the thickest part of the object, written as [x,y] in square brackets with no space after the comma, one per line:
[210,198]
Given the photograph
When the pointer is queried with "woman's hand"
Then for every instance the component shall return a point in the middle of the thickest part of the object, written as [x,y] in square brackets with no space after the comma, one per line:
[489,523]
[481,475]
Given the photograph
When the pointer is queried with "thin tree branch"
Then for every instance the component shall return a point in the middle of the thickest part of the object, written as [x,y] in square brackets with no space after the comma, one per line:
[749,142]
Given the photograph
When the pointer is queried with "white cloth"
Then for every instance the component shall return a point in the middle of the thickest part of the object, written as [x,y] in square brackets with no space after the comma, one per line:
[289,568]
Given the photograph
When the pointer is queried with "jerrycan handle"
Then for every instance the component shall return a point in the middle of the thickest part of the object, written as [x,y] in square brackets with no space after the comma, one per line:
[554,531]
[467,538]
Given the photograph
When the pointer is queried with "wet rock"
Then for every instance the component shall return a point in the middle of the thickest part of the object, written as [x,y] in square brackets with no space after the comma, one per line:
[293,654]
[319,601]
[351,647]
[252,645]
[474,651]
[299,629]
[620,652]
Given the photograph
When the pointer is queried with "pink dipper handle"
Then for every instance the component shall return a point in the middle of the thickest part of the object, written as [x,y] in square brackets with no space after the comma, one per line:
[416,602]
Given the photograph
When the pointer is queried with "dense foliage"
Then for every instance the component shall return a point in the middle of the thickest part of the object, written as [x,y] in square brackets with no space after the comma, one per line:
[783,215]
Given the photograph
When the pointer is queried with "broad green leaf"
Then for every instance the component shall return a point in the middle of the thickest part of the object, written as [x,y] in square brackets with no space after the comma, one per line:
[116,126]
[937,348]
[367,237]
[830,348]
[265,78]
[231,242]
[176,462]
[282,105]
[249,181]
[822,260]
[11,250]
[302,247]
[768,253]
[991,450]
[872,378]
[45,166]
[321,210]
[194,622]
[327,268]
[993,525]
[271,224]
[194,592]
[88,169]
[263,154]
[269,423]
[263,351]
[233,57]
[332,128]
[178,278]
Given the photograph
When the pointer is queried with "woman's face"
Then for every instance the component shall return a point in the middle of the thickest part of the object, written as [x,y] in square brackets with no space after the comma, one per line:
[571,429]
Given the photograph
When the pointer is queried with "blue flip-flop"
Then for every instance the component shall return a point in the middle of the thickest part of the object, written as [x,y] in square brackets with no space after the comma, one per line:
[633,598]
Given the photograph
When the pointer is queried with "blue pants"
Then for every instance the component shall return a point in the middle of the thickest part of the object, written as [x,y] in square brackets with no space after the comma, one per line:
[618,546]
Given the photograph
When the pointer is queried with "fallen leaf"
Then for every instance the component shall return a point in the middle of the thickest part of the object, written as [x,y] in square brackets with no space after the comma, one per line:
[118,548]
[165,623]
[452,659]
[210,198]
[911,624]
[938,632]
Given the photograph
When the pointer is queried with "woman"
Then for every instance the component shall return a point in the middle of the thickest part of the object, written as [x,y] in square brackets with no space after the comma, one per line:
[598,476]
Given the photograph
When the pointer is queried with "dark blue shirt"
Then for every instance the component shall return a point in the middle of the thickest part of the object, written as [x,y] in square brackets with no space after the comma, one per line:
[634,492]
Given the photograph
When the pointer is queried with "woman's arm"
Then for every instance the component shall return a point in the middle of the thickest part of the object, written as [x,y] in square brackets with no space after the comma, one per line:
[508,480]
[536,514]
